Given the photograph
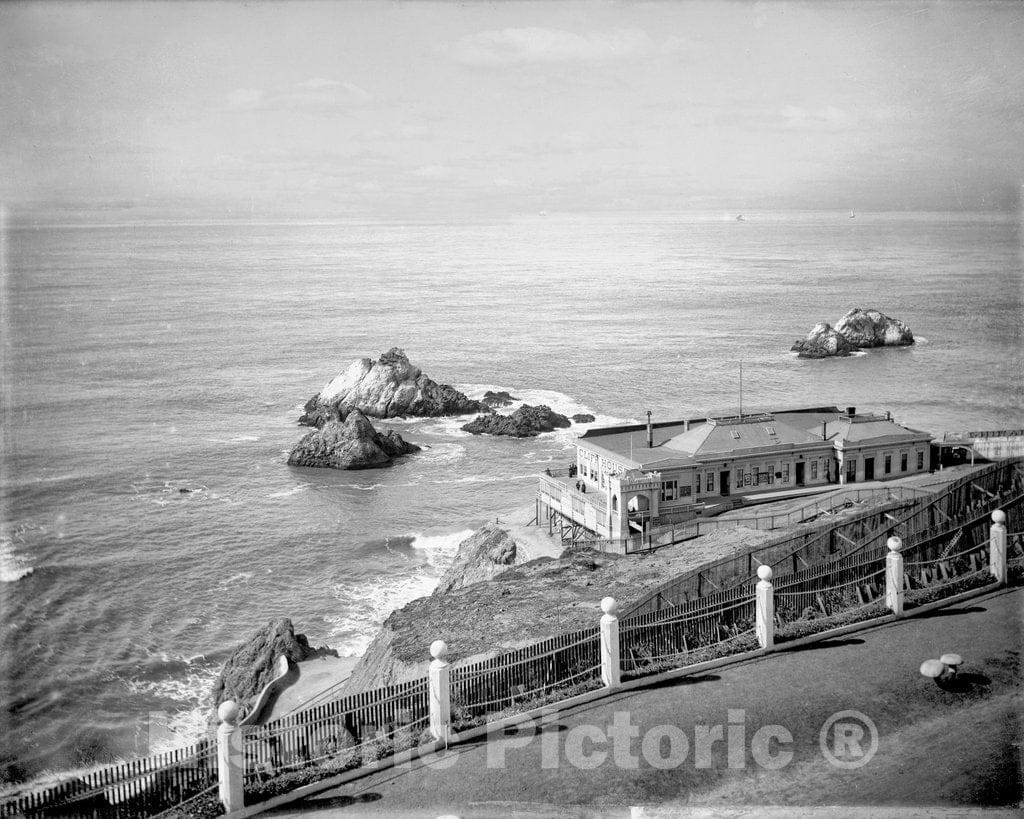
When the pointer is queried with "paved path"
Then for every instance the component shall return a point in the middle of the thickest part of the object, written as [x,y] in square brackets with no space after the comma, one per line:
[936,747]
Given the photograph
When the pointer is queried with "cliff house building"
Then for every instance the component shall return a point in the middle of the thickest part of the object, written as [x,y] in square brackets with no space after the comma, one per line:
[627,479]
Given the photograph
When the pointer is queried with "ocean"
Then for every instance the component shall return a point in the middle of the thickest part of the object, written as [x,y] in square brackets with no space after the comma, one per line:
[153,372]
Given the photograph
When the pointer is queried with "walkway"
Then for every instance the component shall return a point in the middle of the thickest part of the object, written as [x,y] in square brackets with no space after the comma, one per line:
[936,747]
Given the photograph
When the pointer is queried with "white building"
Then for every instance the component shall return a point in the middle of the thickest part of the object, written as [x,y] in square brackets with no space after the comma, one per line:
[628,478]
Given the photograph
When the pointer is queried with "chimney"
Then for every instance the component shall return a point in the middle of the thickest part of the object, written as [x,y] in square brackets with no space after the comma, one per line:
[650,431]
[851,411]
[824,430]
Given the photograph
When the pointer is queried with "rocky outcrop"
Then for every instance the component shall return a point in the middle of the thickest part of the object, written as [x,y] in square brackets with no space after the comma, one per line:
[525,422]
[349,444]
[487,552]
[498,399]
[858,329]
[871,328]
[822,342]
[390,387]
[252,665]
[526,603]
[583,418]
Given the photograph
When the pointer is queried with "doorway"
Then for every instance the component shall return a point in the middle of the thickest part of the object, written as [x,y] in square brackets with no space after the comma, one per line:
[723,482]
[799,473]
[869,469]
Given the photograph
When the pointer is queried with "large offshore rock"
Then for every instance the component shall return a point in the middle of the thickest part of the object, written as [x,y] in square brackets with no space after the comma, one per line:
[525,422]
[390,387]
[872,328]
[349,444]
[822,342]
[252,665]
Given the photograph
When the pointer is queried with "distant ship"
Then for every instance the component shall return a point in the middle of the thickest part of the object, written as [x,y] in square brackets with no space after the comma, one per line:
[853,215]
[740,218]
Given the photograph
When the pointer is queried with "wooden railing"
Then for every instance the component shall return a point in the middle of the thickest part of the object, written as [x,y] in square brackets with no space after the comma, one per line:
[500,682]
[140,787]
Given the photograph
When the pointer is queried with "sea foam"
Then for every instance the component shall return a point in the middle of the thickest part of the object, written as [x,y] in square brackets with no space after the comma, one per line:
[369,604]
[13,566]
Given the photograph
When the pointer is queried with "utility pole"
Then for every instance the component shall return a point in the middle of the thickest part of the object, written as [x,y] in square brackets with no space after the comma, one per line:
[741,389]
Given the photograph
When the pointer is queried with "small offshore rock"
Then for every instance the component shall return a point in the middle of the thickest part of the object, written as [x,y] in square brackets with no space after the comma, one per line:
[583,418]
[822,342]
[349,444]
[525,422]
[391,387]
[498,399]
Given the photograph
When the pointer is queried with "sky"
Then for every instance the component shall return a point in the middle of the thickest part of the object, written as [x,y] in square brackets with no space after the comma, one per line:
[391,109]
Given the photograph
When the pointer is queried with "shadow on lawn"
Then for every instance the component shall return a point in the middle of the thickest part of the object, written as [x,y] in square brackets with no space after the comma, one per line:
[312,804]
[952,612]
[836,643]
[963,683]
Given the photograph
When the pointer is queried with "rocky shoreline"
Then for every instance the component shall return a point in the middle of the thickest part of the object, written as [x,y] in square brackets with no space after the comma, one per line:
[498,595]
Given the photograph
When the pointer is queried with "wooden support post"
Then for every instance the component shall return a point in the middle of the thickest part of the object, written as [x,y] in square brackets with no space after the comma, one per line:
[997,547]
[610,665]
[764,607]
[439,691]
[894,576]
[230,758]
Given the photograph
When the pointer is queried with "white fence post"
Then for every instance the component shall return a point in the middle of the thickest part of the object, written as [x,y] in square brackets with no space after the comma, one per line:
[440,692]
[997,544]
[611,673]
[230,757]
[894,576]
[765,608]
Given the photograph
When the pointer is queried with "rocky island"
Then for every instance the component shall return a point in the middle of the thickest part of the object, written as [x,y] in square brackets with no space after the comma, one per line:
[525,422]
[858,329]
[390,387]
[349,444]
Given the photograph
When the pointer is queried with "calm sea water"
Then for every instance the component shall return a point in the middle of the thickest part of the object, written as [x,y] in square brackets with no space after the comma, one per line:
[143,359]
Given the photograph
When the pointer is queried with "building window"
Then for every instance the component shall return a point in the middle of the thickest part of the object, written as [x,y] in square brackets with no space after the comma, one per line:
[851,470]
[686,491]
[903,462]
[785,473]
[920,460]
[710,485]
[669,490]
[888,464]
[814,470]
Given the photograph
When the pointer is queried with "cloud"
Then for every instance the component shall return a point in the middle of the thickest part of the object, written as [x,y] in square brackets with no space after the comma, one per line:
[524,46]
[316,94]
